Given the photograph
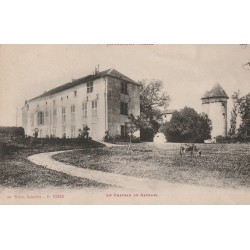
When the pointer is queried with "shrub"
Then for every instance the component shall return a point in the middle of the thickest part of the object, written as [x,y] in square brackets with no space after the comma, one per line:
[117,138]
[3,149]
[12,131]
[233,139]
[187,125]
[147,134]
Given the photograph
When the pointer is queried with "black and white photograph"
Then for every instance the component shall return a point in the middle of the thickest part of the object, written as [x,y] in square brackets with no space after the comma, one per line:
[124,124]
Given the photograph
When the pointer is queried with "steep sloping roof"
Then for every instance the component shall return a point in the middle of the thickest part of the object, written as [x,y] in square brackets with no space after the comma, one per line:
[109,72]
[216,91]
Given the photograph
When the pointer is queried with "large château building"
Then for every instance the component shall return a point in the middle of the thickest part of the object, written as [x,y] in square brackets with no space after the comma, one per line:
[102,101]
[214,103]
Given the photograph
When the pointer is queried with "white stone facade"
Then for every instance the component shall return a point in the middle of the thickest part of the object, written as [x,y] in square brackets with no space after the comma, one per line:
[214,104]
[101,103]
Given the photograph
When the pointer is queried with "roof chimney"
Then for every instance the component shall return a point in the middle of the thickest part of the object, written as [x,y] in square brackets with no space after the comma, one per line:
[96,69]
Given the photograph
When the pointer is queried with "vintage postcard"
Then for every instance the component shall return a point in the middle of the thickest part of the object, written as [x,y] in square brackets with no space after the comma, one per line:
[124,124]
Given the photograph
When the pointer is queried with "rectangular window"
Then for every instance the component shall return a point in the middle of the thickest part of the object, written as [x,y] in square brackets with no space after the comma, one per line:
[73,113]
[73,131]
[40,118]
[46,117]
[54,102]
[89,87]
[47,133]
[124,88]
[54,132]
[75,93]
[32,120]
[94,108]
[124,108]
[24,119]
[63,114]
[54,116]
[84,109]
[63,132]
[124,131]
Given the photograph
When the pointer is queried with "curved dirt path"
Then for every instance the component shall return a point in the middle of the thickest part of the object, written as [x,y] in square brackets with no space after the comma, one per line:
[128,182]
[167,193]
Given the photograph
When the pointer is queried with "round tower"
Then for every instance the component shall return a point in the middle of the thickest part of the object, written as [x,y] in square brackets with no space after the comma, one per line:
[214,103]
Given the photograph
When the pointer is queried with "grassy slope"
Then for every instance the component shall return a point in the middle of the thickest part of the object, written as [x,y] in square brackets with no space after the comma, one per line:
[221,165]
[16,171]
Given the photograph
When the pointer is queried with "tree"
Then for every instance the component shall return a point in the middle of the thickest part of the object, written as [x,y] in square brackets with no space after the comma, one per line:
[241,108]
[244,112]
[247,64]
[234,113]
[187,125]
[151,98]
[133,126]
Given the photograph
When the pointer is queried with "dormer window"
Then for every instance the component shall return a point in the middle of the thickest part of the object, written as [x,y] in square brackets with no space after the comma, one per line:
[124,87]
[89,87]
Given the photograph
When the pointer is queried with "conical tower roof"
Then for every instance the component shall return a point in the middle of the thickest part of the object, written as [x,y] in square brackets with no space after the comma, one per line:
[216,91]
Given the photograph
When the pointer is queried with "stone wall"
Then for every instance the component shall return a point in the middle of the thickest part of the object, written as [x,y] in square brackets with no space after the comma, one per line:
[114,98]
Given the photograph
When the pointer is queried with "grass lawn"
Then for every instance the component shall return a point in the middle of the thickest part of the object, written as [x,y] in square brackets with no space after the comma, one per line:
[221,165]
[17,172]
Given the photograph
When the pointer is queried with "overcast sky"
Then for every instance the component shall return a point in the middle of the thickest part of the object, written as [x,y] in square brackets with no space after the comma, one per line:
[186,70]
